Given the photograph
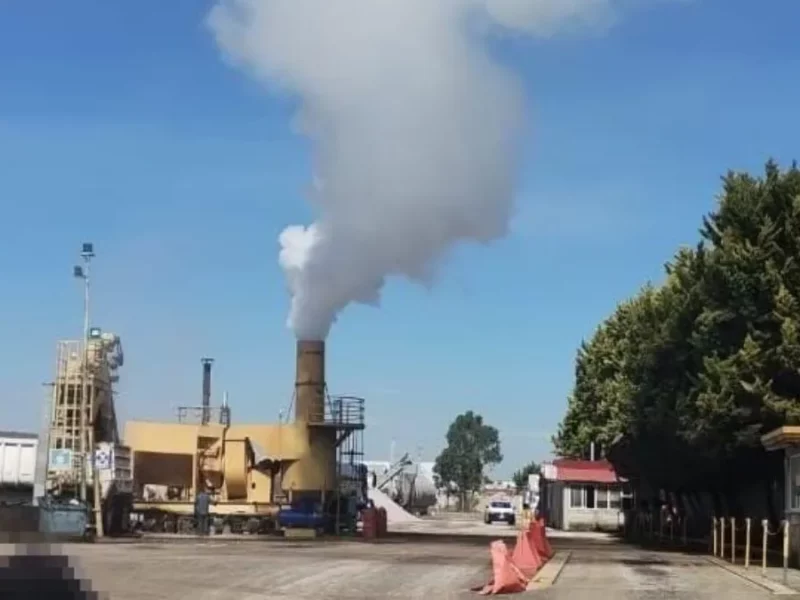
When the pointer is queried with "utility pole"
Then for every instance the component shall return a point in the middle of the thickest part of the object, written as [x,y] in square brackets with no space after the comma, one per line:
[87,428]
[84,272]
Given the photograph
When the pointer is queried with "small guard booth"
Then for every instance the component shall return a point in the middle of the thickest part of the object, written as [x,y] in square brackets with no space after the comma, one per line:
[787,440]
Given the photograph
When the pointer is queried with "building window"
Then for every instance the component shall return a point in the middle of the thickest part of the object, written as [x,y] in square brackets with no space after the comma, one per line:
[794,481]
[576,497]
[602,496]
[583,496]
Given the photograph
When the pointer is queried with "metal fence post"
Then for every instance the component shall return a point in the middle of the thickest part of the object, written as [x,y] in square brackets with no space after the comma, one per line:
[733,540]
[747,543]
[765,528]
[722,537]
[785,551]
[714,542]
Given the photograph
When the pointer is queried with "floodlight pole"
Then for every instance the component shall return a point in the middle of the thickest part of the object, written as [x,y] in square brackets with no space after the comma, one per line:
[84,273]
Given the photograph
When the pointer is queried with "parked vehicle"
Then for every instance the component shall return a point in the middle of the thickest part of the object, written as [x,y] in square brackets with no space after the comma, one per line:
[17,466]
[500,510]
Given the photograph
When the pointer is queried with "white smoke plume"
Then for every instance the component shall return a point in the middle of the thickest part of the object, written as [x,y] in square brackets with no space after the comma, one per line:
[415,130]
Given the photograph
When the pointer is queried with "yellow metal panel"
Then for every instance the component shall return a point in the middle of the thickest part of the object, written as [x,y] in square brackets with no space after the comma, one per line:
[260,490]
[287,441]
[316,469]
[164,438]
[235,470]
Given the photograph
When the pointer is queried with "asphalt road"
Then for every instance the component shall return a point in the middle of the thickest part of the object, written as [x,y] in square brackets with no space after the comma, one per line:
[422,568]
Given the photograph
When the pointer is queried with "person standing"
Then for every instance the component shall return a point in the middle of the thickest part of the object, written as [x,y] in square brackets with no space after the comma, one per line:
[202,504]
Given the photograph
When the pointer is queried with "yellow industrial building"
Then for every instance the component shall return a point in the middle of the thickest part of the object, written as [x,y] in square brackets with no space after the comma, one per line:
[250,470]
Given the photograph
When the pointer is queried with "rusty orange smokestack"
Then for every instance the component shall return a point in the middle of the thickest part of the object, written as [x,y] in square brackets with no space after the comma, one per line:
[309,382]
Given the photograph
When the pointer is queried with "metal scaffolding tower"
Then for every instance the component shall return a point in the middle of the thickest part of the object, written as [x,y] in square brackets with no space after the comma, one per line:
[82,410]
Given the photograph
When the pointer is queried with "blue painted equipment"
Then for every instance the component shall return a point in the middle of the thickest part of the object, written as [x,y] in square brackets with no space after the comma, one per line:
[302,514]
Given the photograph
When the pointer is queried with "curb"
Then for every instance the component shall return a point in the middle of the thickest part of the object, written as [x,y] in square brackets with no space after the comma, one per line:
[776,588]
[550,572]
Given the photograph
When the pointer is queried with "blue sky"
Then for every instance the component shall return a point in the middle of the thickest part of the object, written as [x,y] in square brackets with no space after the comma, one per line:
[121,125]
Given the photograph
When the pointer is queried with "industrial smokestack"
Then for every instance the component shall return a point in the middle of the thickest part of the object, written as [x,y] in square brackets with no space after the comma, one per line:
[206,416]
[309,383]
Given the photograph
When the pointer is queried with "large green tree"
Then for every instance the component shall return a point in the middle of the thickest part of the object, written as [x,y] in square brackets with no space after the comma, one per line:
[682,379]
[472,445]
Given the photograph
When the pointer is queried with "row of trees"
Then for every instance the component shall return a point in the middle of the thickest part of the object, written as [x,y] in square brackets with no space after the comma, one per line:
[680,382]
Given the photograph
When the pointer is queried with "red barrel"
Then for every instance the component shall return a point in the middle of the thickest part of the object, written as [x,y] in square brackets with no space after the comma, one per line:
[383,525]
[369,523]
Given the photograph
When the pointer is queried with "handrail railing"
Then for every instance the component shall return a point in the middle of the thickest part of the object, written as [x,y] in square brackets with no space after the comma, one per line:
[345,411]
[217,415]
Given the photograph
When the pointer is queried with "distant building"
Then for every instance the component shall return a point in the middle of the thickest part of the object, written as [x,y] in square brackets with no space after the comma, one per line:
[499,487]
[582,495]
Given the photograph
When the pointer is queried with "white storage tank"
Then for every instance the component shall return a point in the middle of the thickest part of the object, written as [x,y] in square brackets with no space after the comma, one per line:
[17,459]
[416,493]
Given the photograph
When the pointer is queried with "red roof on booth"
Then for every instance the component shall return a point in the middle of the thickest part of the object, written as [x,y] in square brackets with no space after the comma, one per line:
[585,471]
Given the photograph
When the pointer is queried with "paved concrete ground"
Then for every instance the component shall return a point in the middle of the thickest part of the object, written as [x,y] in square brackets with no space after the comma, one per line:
[471,526]
[412,567]
[282,570]
[626,573]
[774,578]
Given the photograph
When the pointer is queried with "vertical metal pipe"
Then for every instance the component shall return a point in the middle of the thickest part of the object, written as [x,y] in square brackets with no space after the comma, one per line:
[83,404]
[764,533]
[747,543]
[714,535]
[225,416]
[785,551]
[206,410]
